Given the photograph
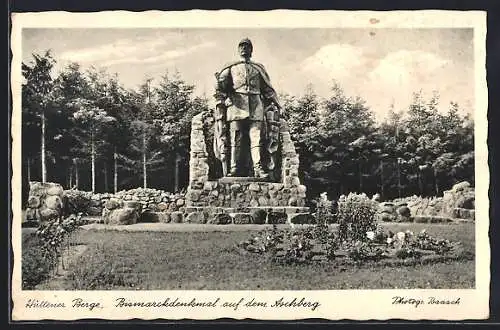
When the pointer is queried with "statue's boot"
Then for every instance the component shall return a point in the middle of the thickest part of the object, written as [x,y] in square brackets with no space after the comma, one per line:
[257,164]
[224,165]
[235,156]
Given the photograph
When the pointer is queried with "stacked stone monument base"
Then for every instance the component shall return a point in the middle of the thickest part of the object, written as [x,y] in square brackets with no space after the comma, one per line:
[224,216]
[243,199]
[246,192]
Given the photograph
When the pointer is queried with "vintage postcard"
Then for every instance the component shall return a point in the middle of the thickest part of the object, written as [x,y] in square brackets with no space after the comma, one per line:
[276,165]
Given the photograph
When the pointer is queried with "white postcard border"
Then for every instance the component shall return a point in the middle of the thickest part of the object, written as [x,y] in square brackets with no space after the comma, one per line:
[335,304]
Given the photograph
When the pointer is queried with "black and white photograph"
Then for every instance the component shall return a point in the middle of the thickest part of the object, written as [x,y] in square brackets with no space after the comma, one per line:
[250,165]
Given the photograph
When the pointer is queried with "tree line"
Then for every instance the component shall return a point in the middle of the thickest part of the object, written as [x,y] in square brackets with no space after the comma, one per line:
[83,129]
[421,150]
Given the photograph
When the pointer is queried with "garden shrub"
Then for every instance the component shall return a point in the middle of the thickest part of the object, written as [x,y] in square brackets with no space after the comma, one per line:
[408,252]
[364,251]
[356,216]
[424,241]
[288,246]
[325,210]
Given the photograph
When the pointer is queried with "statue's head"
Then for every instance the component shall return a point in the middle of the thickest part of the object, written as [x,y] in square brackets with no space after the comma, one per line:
[245,48]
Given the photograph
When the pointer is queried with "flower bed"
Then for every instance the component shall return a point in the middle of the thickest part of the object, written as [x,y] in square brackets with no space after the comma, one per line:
[320,244]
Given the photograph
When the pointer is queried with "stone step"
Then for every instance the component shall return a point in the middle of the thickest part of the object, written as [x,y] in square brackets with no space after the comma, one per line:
[241,179]
[227,210]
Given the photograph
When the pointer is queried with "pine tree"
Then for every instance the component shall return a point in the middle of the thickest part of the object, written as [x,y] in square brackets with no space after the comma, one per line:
[38,97]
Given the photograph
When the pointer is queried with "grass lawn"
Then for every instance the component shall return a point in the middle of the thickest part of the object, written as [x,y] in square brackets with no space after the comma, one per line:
[208,260]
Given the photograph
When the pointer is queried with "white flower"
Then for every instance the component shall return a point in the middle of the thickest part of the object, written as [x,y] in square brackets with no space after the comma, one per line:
[370,235]
[400,236]
[389,240]
[423,231]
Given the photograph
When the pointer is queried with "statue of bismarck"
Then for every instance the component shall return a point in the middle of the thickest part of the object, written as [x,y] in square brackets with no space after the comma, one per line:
[247,116]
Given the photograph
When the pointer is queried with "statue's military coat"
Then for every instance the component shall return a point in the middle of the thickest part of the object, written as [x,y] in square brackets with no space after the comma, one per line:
[243,86]
[245,92]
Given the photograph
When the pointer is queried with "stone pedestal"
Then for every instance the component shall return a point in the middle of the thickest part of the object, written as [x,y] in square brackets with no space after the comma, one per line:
[245,193]
[235,195]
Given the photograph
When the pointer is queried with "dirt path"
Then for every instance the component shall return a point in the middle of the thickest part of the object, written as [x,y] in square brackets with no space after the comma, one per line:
[180,227]
[192,227]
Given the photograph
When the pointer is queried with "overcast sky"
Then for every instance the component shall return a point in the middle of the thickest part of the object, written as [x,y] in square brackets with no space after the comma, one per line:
[380,65]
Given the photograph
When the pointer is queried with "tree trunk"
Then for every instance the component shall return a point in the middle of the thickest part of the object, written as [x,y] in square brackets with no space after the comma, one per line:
[70,177]
[144,167]
[420,183]
[115,174]
[106,177]
[176,179]
[77,176]
[382,193]
[29,169]
[44,165]
[399,180]
[436,182]
[360,177]
[92,146]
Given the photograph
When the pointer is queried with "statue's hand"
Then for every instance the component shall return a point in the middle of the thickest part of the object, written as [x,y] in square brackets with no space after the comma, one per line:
[220,111]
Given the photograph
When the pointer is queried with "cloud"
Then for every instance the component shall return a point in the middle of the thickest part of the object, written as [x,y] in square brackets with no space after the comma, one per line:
[379,80]
[398,74]
[167,55]
[118,49]
[132,51]
[406,67]
[335,61]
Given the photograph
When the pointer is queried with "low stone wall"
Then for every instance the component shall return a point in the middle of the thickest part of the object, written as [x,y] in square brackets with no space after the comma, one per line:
[45,202]
[152,205]
[148,199]
[456,203]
